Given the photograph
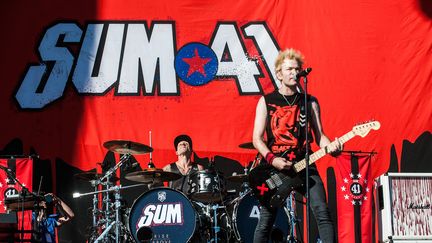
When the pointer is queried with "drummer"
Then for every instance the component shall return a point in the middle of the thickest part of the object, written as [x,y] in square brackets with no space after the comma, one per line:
[183,165]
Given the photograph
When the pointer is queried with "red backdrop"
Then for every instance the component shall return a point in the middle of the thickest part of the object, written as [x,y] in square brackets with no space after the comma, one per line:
[370,60]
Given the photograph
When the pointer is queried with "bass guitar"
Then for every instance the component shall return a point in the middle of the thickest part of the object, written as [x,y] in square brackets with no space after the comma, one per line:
[271,186]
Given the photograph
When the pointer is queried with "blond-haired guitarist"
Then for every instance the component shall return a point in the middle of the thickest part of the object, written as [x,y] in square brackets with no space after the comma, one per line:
[279,116]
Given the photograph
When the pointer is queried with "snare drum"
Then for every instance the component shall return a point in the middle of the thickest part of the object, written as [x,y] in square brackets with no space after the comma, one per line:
[245,219]
[162,215]
[206,186]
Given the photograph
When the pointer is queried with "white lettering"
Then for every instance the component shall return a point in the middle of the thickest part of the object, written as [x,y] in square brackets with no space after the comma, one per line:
[161,214]
[266,45]
[255,213]
[147,219]
[146,53]
[174,214]
[35,94]
[244,70]
[136,59]
[109,63]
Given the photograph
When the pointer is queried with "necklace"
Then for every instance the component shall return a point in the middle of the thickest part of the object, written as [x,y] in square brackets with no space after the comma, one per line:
[183,170]
[293,101]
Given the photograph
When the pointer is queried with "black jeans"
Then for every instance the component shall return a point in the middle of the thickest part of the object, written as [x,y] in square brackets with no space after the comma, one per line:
[319,208]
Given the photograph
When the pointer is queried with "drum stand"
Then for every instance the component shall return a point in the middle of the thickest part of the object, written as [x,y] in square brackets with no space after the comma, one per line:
[109,223]
[117,221]
[95,212]
[215,227]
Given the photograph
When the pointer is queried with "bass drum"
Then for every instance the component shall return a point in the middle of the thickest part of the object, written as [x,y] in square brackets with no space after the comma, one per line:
[162,215]
[245,219]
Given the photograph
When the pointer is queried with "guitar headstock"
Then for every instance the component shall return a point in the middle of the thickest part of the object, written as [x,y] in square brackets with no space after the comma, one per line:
[363,129]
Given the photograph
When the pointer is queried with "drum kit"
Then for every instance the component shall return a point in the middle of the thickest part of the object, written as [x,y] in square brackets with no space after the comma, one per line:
[161,214]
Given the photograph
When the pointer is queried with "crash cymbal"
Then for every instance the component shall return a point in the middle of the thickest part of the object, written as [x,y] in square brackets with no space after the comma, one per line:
[247,145]
[238,178]
[127,147]
[91,176]
[151,175]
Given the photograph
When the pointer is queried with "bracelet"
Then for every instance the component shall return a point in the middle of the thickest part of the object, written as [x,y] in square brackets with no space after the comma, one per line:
[270,157]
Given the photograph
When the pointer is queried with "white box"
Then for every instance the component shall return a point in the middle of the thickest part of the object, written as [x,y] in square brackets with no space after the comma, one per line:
[404,205]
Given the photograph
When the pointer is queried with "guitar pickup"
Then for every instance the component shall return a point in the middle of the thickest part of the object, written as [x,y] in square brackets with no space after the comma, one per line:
[276,179]
[270,183]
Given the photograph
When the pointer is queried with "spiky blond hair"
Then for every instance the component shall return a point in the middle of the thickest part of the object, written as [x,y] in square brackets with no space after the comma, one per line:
[290,54]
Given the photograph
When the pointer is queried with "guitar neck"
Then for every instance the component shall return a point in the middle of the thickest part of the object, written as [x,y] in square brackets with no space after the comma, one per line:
[299,166]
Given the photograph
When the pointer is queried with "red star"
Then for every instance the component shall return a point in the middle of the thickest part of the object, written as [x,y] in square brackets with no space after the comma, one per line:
[196,64]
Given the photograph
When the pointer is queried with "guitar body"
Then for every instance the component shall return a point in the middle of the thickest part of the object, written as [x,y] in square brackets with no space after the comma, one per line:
[270,186]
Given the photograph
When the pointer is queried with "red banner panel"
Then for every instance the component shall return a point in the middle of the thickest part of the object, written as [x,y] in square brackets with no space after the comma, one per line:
[13,170]
[354,185]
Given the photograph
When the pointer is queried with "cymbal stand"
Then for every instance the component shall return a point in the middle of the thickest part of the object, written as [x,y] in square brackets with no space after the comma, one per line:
[117,221]
[95,205]
[95,211]
[117,204]
[150,163]
[108,205]
[245,185]
[215,227]
[111,171]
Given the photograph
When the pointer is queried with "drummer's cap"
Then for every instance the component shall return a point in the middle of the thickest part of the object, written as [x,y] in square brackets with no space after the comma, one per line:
[180,138]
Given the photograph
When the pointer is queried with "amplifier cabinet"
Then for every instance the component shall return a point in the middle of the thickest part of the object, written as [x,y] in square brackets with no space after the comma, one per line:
[404,207]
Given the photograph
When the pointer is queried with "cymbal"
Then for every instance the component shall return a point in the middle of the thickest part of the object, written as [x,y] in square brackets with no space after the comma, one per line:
[91,176]
[238,178]
[248,145]
[127,147]
[151,175]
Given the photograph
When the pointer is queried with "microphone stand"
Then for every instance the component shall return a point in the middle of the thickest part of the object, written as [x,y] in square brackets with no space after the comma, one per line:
[305,82]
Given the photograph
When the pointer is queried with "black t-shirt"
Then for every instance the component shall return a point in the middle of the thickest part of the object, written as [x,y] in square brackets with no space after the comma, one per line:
[285,125]
[182,183]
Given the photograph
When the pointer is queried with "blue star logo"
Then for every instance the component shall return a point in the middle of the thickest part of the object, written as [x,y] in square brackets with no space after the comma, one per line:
[196,64]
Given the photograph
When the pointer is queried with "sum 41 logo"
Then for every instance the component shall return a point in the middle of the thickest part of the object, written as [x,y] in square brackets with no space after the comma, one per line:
[161,214]
[136,59]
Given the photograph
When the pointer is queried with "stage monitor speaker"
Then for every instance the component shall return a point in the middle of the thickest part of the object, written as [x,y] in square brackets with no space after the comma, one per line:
[404,207]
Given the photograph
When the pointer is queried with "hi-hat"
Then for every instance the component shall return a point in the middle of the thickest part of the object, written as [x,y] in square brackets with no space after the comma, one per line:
[91,176]
[127,147]
[248,145]
[150,175]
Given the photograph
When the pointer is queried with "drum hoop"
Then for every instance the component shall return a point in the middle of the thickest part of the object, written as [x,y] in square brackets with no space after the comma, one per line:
[237,202]
[169,189]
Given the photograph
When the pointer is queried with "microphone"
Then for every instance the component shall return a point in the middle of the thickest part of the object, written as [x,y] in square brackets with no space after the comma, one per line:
[302,73]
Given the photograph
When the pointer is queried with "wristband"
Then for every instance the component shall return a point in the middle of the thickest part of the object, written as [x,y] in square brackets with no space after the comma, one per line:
[270,157]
